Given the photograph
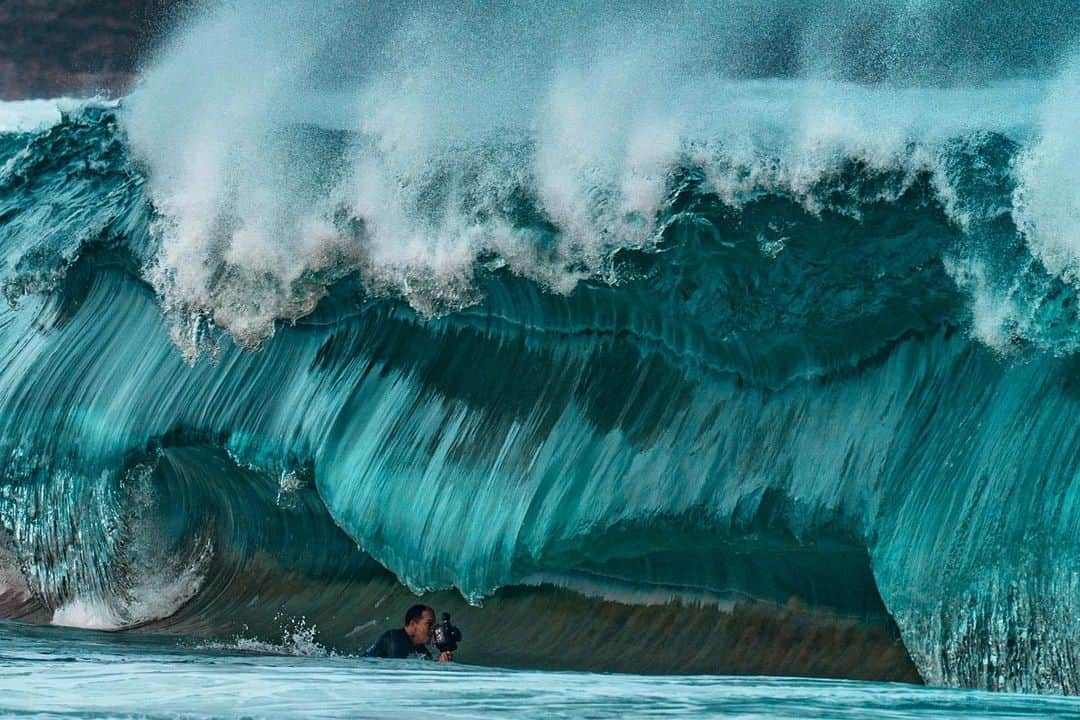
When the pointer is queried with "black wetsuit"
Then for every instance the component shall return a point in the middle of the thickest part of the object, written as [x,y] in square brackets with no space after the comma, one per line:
[396,644]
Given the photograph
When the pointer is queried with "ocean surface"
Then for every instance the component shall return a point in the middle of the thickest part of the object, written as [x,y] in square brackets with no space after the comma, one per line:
[59,673]
[712,339]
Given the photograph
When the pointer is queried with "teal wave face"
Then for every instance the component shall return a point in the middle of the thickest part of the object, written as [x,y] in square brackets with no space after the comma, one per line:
[769,402]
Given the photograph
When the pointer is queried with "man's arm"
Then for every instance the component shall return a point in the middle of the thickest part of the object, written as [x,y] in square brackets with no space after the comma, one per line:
[379,648]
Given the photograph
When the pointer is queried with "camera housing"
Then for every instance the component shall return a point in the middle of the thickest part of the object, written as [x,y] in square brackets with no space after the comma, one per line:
[447,636]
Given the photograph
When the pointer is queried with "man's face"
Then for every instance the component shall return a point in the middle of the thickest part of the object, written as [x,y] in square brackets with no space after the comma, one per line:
[419,631]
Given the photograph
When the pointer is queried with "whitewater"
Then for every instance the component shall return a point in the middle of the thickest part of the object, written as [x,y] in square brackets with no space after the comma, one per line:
[78,675]
[613,330]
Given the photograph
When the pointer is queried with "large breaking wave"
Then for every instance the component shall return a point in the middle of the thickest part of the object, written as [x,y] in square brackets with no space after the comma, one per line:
[733,308]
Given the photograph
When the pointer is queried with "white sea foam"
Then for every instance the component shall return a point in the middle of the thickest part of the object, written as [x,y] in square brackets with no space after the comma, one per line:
[1006,303]
[457,115]
[154,597]
[297,640]
[76,677]
[87,613]
[36,115]
[155,579]
[1047,199]
[29,115]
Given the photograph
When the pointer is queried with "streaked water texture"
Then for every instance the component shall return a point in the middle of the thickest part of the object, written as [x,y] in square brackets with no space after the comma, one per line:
[614,329]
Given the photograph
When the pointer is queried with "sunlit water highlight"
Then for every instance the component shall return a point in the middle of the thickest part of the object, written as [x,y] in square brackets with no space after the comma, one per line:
[51,672]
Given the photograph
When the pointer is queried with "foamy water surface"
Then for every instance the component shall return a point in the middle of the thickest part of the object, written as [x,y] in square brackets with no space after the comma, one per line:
[64,673]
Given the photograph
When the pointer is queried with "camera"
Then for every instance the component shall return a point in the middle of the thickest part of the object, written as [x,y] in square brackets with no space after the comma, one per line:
[447,636]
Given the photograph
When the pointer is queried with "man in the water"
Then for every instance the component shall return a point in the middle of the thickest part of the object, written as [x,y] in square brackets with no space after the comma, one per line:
[411,640]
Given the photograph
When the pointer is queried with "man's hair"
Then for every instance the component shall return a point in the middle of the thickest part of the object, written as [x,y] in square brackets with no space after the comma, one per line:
[416,612]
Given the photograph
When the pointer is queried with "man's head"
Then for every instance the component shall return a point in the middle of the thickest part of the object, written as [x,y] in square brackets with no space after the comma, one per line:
[419,622]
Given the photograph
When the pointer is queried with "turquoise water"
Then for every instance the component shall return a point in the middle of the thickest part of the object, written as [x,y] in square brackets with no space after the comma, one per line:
[63,673]
[613,329]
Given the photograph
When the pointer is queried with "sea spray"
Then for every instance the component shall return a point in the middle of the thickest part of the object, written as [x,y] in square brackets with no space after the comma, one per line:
[755,324]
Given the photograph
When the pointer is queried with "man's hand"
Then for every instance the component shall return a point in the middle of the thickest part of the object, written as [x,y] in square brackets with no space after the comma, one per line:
[446,656]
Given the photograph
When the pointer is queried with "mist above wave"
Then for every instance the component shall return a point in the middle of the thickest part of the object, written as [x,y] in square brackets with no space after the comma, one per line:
[28,115]
[537,141]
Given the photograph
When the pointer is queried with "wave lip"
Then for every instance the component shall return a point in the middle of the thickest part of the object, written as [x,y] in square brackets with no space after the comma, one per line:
[547,158]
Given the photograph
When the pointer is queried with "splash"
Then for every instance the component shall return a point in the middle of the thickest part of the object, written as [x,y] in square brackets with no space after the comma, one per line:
[1047,198]
[297,640]
[461,121]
